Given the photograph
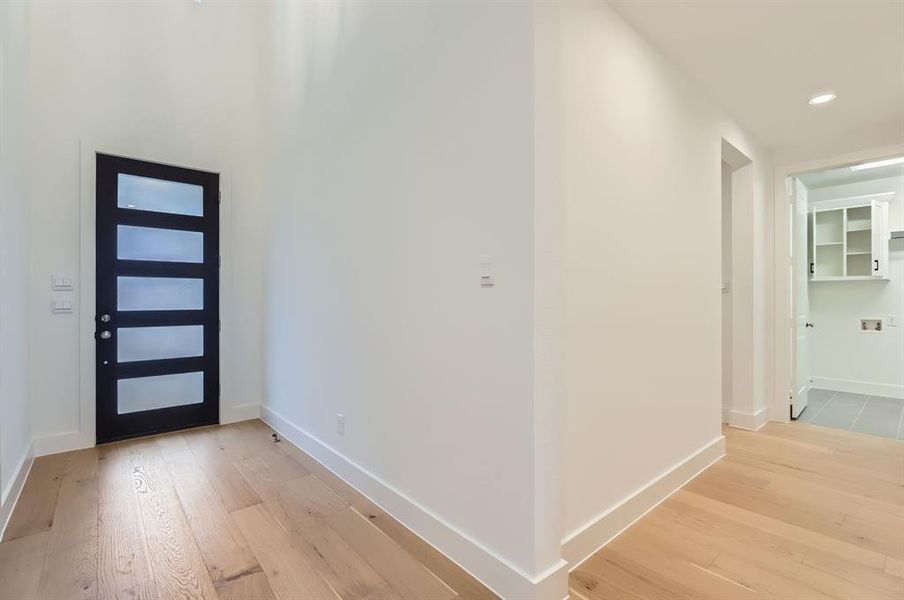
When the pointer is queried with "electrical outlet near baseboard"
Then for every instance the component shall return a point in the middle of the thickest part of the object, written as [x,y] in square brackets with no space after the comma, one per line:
[340,423]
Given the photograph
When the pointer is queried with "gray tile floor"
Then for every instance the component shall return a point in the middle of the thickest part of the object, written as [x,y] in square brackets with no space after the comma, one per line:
[874,415]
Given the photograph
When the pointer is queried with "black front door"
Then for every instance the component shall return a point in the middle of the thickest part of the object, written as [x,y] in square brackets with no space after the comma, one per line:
[157,317]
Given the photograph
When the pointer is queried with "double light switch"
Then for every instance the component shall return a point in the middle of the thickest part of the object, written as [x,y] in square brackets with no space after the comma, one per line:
[61,283]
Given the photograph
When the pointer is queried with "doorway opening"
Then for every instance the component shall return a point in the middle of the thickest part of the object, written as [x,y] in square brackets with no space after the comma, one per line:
[847,296]
[740,222]
[157,298]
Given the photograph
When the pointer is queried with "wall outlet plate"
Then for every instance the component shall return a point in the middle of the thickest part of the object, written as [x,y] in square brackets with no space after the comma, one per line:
[871,325]
[340,423]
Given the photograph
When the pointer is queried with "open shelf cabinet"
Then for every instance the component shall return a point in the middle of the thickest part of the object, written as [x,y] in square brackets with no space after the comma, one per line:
[848,239]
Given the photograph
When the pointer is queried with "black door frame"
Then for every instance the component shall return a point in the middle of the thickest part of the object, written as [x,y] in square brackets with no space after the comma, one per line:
[110,425]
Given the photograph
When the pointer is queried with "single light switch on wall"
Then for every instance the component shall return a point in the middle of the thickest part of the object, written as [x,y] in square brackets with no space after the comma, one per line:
[61,307]
[487,274]
[61,283]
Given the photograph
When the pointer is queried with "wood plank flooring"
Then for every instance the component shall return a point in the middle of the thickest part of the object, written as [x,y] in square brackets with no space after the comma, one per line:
[793,512]
[214,513]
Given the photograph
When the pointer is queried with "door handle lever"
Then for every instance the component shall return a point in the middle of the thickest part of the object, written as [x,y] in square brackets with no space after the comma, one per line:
[810,325]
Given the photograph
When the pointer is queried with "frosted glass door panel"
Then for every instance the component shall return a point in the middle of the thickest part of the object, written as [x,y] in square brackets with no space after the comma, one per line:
[158,195]
[159,293]
[153,343]
[168,245]
[160,391]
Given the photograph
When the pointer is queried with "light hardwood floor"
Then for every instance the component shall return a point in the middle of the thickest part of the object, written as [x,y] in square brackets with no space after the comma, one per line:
[793,512]
[220,512]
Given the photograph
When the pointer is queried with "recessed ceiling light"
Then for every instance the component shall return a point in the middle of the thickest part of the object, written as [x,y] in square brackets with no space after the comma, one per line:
[822,98]
[878,163]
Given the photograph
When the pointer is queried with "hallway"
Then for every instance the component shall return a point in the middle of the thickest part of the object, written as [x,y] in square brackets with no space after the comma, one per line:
[525,287]
[793,511]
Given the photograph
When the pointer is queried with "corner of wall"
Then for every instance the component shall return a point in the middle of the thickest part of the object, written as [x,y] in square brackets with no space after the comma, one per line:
[751,421]
[62,442]
[585,541]
[10,495]
[494,571]
[240,412]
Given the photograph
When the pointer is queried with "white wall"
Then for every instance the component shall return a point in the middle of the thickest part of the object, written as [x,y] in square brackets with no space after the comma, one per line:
[640,178]
[405,146]
[841,354]
[403,161]
[176,82]
[15,438]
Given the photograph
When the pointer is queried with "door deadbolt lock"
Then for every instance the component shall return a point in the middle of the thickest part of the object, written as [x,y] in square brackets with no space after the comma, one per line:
[105,335]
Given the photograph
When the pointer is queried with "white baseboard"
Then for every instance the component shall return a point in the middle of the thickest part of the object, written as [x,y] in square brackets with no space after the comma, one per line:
[241,412]
[76,440]
[582,543]
[494,571]
[748,421]
[62,442]
[887,390]
[10,496]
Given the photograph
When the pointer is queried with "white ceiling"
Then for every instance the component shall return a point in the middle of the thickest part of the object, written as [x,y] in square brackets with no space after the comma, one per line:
[761,60]
[842,175]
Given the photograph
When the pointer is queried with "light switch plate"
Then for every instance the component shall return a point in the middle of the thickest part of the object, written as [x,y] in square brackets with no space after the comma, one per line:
[62,283]
[61,307]
[487,272]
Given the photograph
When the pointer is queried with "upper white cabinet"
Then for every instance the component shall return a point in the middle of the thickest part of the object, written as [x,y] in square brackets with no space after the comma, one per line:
[848,239]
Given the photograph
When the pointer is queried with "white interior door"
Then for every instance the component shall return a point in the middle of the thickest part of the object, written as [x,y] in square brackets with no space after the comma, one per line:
[800,321]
